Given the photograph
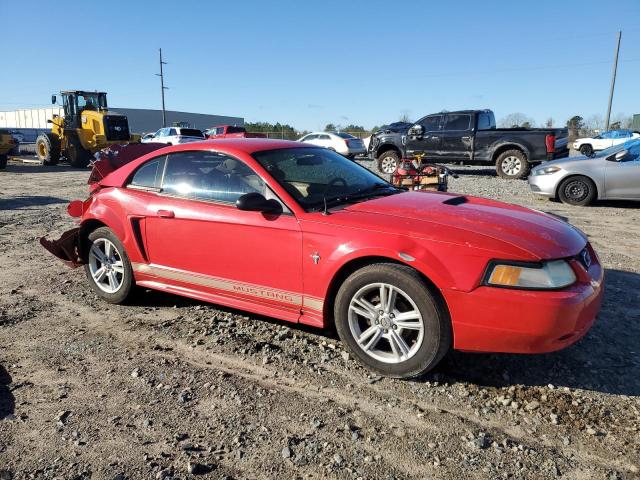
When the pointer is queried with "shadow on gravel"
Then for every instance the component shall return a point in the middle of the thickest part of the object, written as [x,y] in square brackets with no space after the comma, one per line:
[20,168]
[29,201]
[7,401]
[475,171]
[606,360]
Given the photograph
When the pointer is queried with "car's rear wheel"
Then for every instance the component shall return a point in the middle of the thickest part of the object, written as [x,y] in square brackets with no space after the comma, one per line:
[388,162]
[578,190]
[107,266]
[512,164]
[389,319]
[586,150]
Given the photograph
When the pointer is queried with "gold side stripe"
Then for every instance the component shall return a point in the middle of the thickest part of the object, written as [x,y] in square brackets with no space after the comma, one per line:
[242,288]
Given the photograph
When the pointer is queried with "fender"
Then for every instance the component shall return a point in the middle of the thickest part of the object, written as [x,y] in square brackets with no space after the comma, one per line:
[508,143]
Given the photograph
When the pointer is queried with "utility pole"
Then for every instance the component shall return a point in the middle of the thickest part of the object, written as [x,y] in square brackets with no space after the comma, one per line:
[613,80]
[162,89]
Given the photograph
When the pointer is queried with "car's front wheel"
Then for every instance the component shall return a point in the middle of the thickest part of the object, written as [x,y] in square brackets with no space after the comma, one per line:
[107,266]
[578,190]
[389,319]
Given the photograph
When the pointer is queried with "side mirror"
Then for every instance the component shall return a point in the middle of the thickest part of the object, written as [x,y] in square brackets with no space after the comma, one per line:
[53,99]
[621,155]
[256,202]
[416,131]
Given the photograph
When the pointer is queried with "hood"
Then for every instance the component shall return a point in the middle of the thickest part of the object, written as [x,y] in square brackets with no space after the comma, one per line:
[478,222]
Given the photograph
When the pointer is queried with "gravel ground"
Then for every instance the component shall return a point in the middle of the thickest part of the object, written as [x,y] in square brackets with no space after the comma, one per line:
[173,388]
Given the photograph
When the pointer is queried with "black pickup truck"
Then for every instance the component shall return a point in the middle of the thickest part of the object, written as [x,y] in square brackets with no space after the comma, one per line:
[471,137]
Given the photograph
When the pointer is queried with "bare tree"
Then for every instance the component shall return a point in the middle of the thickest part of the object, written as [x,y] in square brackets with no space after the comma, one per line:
[548,123]
[594,124]
[516,120]
[404,116]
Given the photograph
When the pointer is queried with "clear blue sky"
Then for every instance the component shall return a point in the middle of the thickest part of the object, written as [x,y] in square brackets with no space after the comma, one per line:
[310,63]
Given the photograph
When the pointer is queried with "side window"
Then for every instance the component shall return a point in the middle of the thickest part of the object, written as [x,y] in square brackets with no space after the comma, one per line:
[209,176]
[634,152]
[149,174]
[484,121]
[325,137]
[431,123]
[607,135]
[457,122]
[173,131]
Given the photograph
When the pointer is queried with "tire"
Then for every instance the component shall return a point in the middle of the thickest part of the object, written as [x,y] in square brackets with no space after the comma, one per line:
[78,157]
[586,150]
[48,149]
[3,161]
[512,165]
[116,284]
[423,348]
[577,190]
[388,162]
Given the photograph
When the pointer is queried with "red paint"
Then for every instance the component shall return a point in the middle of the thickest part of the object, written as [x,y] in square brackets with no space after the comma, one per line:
[247,260]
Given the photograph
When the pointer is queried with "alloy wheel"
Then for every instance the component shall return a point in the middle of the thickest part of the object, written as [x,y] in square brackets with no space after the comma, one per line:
[105,265]
[388,165]
[511,165]
[386,323]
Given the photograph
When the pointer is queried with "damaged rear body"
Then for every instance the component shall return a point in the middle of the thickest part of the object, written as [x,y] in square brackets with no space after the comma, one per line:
[68,248]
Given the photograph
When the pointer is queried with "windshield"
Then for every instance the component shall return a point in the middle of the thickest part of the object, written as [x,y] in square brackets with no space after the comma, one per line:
[617,148]
[92,101]
[315,176]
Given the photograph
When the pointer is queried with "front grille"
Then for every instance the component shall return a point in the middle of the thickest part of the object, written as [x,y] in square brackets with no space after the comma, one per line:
[116,127]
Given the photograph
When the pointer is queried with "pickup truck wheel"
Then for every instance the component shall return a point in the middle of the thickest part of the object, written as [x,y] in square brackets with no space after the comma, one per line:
[578,190]
[586,150]
[389,319]
[388,162]
[512,164]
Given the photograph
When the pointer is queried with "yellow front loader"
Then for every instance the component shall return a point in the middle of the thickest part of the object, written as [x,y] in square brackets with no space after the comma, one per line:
[87,126]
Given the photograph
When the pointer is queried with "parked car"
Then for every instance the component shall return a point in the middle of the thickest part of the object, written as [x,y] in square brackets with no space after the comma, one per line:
[230,131]
[586,146]
[611,174]
[300,233]
[343,143]
[174,136]
[470,136]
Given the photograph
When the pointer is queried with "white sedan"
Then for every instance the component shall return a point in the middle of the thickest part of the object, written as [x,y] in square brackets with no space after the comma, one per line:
[174,136]
[340,142]
[586,146]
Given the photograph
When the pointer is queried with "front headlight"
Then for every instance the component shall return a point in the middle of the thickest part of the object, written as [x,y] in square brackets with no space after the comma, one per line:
[538,276]
[546,170]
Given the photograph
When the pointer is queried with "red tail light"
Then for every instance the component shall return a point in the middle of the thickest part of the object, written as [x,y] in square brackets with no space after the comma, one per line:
[550,141]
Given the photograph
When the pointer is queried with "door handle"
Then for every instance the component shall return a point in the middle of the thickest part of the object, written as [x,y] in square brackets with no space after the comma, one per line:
[466,138]
[435,137]
[165,213]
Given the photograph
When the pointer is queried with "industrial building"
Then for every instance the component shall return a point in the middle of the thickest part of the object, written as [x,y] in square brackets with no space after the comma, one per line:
[30,122]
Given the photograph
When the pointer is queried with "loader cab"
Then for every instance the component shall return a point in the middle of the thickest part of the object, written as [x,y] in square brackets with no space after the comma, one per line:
[74,102]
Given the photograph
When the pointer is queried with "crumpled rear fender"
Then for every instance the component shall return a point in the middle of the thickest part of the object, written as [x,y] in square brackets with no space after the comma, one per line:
[66,248]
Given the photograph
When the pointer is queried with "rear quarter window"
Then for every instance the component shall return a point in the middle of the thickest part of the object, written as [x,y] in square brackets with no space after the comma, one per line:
[149,175]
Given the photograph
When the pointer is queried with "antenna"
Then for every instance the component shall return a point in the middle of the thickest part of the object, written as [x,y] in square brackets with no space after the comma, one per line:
[162,89]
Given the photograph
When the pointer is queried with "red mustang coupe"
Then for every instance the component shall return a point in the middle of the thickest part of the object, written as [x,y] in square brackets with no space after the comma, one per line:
[302,234]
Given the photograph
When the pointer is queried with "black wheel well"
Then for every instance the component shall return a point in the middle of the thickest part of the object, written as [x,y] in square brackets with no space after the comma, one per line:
[361,262]
[386,147]
[568,177]
[503,148]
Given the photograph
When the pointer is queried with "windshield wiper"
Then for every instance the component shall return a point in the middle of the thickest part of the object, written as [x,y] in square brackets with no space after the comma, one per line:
[379,189]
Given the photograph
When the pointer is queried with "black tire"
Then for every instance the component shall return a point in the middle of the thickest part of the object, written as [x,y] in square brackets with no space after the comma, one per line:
[76,154]
[577,190]
[48,149]
[512,165]
[586,150]
[436,340]
[388,162]
[3,162]
[127,286]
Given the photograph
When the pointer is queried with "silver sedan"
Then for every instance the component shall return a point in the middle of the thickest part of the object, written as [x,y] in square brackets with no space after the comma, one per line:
[611,174]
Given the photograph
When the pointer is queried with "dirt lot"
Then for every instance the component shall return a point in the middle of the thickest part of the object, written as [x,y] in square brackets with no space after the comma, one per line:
[173,388]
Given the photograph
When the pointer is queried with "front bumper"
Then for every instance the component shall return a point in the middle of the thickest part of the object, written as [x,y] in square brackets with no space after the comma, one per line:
[545,185]
[519,321]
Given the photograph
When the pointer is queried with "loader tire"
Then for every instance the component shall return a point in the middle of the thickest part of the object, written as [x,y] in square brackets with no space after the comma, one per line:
[78,157]
[48,149]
